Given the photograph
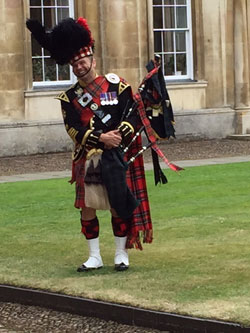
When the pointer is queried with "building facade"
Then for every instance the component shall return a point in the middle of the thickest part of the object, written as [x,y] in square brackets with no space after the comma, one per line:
[204,47]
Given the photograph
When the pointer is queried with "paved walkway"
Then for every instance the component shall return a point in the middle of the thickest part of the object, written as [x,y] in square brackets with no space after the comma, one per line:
[148,166]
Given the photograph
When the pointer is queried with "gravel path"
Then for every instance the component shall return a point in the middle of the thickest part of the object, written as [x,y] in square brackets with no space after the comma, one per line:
[174,150]
[29,319]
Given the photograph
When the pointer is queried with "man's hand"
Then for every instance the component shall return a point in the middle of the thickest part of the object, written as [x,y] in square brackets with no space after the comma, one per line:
[111,139]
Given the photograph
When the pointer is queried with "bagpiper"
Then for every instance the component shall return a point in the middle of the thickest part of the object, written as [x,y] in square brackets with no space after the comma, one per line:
[100,116]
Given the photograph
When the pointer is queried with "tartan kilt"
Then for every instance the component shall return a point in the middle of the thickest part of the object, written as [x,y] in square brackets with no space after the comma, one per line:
[78,171]
[140,222]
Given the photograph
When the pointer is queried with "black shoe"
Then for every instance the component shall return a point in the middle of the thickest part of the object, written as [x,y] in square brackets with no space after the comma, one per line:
[121,267]
[83,268]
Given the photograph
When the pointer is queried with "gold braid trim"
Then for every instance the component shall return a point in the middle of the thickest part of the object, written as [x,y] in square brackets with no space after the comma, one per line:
[92,152]
[63,97]
[84,139]
[129,125]
[122,87]
[72,132]
[126,129]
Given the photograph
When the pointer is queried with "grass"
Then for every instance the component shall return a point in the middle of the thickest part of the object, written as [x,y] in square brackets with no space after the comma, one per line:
[198,264]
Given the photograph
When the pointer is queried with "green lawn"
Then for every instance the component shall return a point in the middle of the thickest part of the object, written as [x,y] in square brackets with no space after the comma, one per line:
[198,264]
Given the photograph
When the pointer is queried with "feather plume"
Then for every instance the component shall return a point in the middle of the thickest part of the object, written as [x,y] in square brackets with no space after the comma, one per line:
[83,22]
[39,33]
[64,40]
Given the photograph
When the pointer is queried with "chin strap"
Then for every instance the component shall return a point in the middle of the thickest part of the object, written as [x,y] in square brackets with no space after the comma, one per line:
[88,69]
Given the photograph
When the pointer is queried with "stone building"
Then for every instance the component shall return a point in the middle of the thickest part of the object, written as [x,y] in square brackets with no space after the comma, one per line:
[204,47]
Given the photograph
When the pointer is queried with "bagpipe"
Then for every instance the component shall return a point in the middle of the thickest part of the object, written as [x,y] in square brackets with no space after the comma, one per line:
[154,108]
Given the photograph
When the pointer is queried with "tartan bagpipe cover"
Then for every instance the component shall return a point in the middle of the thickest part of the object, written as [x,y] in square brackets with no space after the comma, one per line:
[156,114]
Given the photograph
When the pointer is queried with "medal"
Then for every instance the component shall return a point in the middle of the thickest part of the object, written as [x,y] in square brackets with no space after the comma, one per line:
[79,91]
[109,98]
[94,107]
[85,99]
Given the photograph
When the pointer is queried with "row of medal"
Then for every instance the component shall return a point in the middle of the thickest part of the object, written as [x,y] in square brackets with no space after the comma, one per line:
[109,98]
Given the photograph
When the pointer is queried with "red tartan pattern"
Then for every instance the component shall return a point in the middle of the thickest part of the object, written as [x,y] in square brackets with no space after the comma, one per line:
[95,88]
[78,170]
[119,226]
[99,85]
[141,220]
[144,119]
[90,228]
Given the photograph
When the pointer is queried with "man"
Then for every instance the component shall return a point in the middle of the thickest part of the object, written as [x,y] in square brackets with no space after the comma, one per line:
[98,116]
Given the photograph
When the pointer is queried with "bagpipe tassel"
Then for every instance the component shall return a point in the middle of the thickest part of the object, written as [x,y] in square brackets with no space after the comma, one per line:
[174,167]
[158,173]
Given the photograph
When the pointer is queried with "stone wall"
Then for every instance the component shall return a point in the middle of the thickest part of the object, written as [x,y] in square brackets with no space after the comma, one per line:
[219,95]
[11,60]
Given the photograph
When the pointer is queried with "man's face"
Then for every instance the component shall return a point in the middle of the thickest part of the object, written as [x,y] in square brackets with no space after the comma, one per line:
[84,68]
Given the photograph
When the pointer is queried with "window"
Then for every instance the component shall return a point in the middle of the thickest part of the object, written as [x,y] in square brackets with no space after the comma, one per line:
[173,37]
[45,70]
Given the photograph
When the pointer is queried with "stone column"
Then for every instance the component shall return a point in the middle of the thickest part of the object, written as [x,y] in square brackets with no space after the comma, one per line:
[241,67]
[123,38]
[11,60]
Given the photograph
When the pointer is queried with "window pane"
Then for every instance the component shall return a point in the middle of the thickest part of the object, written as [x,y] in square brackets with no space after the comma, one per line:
[63,72]
[35,2]
[181,2]
[180,41]
[168,2]
[62,2]
[181,14]
[181,65]
[37,69]
[49,17]
[49,2]
[36,48]
[50,69]
[169,64]
[49,13]
[157,2]
[157,17]
[157,41]
[62,13]
[36,14]
[168,41]
[169,19]
[46,53]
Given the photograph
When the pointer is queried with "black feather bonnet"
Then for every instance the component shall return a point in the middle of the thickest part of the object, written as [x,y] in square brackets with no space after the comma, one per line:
[66,42]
